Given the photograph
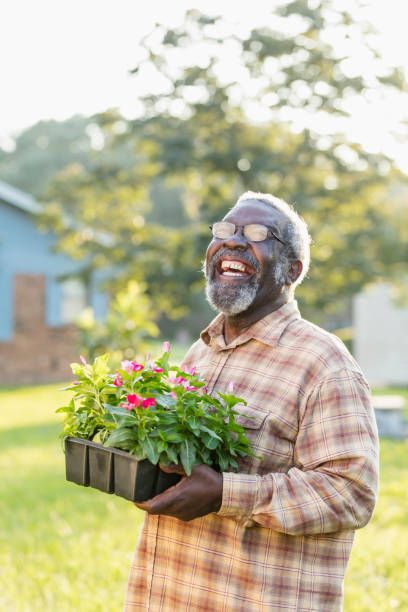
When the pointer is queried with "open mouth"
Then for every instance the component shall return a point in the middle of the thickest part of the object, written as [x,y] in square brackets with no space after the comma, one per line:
[234,268]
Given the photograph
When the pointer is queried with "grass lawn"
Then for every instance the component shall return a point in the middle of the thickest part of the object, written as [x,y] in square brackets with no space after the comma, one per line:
[62,547]
[68,548]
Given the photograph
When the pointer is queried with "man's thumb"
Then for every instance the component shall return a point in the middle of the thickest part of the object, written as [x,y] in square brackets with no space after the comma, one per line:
[172,468]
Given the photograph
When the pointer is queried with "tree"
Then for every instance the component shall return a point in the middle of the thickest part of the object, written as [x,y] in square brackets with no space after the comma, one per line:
[47,148]
[130,320]
[43,150]
[202,134]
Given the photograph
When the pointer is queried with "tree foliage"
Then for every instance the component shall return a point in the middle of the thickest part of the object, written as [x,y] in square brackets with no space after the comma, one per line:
[129,322]
[43,150]
[225,120]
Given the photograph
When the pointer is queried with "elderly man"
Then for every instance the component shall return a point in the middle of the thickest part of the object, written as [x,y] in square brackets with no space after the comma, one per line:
[277,534]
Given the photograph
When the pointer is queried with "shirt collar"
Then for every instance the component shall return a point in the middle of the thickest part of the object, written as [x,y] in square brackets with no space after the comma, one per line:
[267,330]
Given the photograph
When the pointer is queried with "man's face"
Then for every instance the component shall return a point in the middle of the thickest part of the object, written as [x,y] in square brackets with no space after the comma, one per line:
[241,274]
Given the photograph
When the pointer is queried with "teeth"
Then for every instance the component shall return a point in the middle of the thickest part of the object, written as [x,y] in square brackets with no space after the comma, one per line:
[232,274]
[233,265]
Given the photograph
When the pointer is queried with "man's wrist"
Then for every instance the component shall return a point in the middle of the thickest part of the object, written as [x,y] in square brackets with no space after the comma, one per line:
[239,493]
[218,499]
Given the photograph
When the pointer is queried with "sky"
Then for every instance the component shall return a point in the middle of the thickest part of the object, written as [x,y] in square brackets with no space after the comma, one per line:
[62,57]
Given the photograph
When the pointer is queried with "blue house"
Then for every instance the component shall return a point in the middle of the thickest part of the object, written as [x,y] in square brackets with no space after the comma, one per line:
[40,297]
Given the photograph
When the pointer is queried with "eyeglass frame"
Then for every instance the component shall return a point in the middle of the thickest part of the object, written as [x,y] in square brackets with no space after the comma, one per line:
[242,227]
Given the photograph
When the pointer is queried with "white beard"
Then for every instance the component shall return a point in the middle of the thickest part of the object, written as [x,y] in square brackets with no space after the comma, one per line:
[231,301]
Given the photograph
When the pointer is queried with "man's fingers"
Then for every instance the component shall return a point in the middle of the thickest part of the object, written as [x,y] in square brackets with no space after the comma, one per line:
[173,468]
[191,498]
[162,502]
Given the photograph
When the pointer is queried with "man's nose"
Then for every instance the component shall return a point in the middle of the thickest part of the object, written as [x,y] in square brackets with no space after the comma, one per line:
[237,241]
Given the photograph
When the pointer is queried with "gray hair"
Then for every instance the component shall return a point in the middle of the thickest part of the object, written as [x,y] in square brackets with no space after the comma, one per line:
[295,235]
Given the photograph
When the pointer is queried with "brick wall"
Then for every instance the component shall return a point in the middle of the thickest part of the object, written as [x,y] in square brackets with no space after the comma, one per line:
[36,353]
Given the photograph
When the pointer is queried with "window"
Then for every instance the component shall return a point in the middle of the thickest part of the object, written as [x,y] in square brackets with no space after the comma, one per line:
[73,299]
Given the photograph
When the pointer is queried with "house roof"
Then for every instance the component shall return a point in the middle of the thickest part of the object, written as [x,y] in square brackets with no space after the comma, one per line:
[19,199]
[26,202]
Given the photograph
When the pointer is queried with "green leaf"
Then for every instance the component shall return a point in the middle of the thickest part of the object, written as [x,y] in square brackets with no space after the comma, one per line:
[120,435]
[223,463]
[175,437]
[195,425]
[70,387]
[172,454]
[77,369]
[210,442]
[205,455]
[166,401]
[161,446]
[100,365]
[150,449]
[187,455]
[163,362]
[210,432]
[137,452]
[231,400]
[115,409]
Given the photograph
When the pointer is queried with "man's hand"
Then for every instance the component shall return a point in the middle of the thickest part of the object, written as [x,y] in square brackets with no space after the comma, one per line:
[194,496]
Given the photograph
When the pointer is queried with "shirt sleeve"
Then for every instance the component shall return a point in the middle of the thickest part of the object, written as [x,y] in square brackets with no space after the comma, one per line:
[333,483]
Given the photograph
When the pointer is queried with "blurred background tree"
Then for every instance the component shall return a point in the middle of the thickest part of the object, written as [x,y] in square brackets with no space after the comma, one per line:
[43,150]
[265,111]
[124,333]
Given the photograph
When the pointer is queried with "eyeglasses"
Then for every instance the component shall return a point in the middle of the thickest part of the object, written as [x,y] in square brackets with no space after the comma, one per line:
[255,232]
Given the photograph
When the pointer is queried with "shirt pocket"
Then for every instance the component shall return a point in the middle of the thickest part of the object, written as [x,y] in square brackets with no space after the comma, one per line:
[248,417]
[253,421]
[270,441]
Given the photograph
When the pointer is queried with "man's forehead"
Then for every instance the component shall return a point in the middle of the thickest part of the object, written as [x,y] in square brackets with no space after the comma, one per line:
[256,211]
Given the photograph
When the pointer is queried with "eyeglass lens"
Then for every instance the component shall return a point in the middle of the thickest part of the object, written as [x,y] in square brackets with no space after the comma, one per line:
[255,232]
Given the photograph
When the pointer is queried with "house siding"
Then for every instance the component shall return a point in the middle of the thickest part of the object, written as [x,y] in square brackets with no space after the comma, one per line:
[25,250]
[36,353]
[35,346]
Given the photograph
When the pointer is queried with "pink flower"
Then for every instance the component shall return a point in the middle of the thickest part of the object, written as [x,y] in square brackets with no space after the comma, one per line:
[127,406]
[191,371]
[166,347]
[118,382]
[149,401]
[134,399]
[205,390]
[176,381]
[188,387]
[231,387]
[82,359]
[157,369]
[76,382]
[131,366]
[173,395]
[137,367]
[126,365]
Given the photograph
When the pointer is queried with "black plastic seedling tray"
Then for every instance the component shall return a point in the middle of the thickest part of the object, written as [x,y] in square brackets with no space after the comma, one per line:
[77,461]
[114,471]
[101,468]
[134,480]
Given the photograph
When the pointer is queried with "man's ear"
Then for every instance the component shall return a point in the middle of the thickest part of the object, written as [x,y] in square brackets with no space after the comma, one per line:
[295,268]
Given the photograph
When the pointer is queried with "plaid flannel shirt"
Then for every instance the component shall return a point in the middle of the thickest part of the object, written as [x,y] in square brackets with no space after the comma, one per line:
[283,535]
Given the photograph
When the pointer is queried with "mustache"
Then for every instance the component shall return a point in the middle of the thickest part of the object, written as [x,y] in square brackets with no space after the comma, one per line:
[246,257]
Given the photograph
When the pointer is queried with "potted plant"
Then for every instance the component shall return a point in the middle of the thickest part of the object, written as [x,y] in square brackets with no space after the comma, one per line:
[119,426]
